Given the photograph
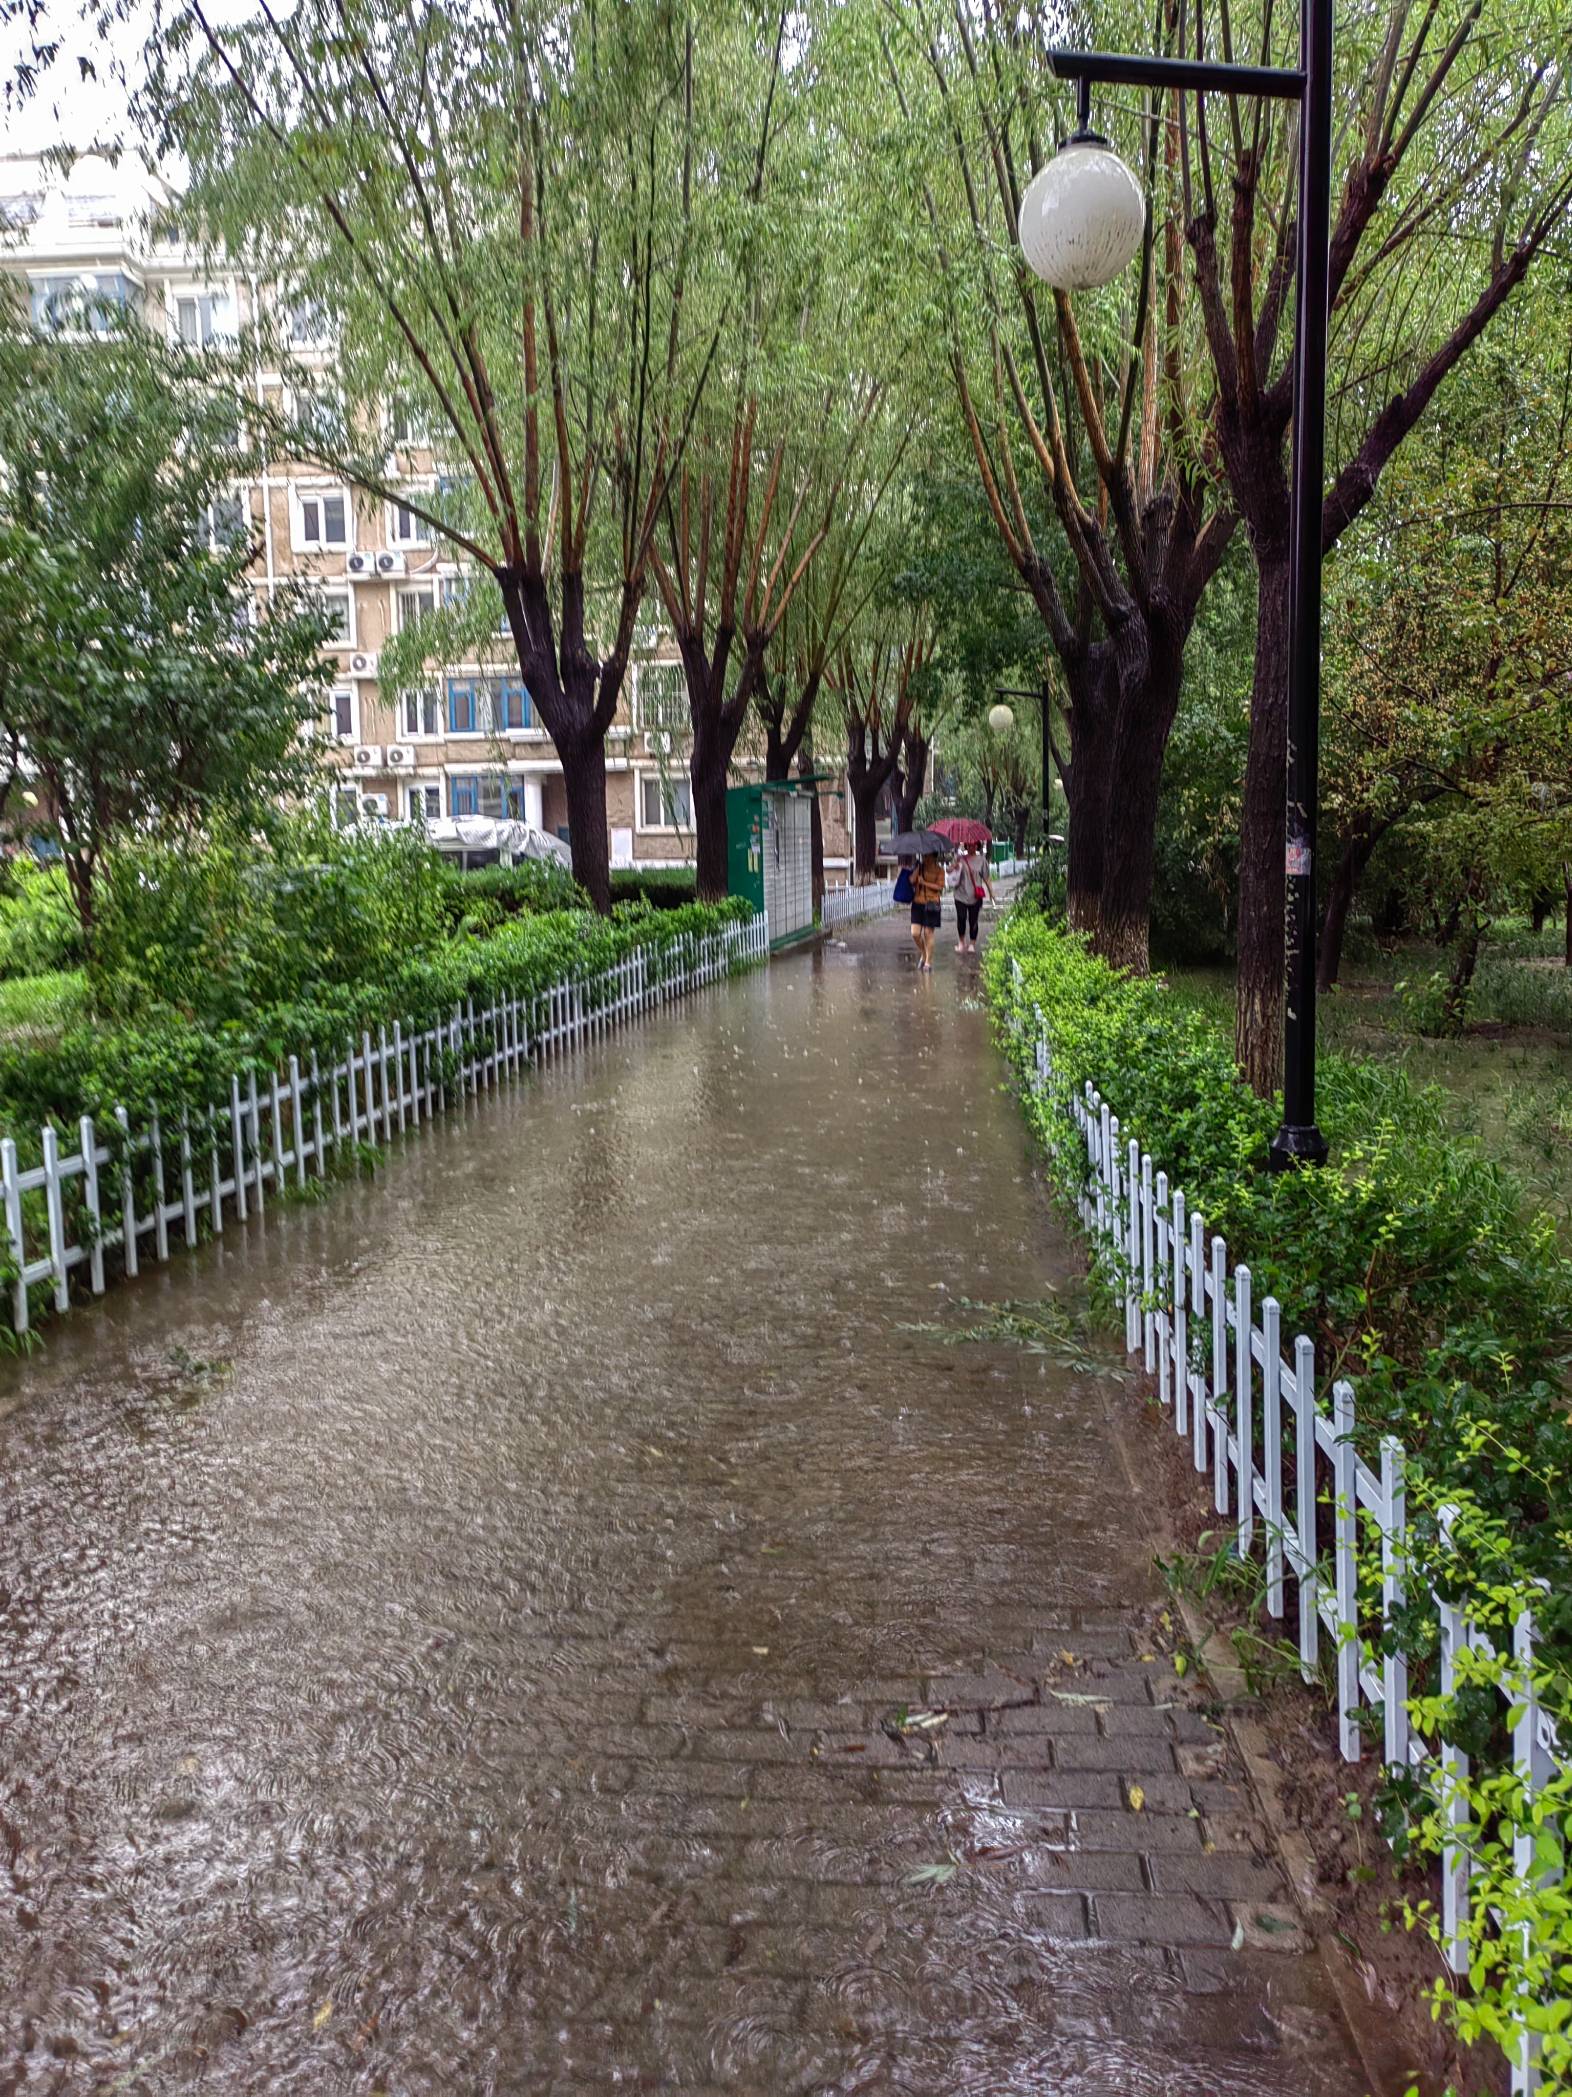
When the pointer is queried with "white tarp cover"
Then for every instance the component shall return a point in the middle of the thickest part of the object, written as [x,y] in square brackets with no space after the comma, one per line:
[508,838]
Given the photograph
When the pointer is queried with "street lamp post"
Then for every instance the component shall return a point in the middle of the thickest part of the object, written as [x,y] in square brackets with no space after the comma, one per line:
[1078,230]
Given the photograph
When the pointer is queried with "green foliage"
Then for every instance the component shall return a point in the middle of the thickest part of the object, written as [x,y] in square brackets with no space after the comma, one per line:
[482,900]
[219,929]
[130,675]
[665,888]
[1413,1263]
[159,1057]
[39,930]
[41,1005]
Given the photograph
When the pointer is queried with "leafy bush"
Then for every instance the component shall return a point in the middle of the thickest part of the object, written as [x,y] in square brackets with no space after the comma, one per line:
[1413,1262]
[220,928]
[39,930]
[1410,1259]
[483,900]
[667,888]
[170,1059]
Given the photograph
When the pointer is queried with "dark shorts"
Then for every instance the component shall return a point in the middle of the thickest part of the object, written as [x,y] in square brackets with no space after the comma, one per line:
[928,915]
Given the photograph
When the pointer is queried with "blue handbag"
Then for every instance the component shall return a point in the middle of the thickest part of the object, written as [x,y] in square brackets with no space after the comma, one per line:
[903,886]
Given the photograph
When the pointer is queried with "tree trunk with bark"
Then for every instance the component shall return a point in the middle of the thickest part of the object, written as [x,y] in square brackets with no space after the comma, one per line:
[1148,702]
[584,782]
[1087,792]
[912,777]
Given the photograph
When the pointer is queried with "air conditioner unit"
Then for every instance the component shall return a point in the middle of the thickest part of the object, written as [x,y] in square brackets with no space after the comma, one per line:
[363,663]
[658,742]
[390,564]
[374,804]
[360,564]
[401,757]
[368,757]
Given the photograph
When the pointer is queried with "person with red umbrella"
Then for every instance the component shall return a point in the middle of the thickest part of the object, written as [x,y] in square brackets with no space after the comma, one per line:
[970,878]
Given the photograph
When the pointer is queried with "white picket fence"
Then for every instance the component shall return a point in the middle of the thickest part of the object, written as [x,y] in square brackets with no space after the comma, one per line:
[1238,1400]
[849,906]
[263,1137]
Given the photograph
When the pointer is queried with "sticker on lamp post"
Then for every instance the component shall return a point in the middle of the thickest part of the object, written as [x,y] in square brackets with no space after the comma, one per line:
[1298,856]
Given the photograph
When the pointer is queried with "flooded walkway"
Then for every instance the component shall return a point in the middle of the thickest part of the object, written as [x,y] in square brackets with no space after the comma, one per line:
[468,1639]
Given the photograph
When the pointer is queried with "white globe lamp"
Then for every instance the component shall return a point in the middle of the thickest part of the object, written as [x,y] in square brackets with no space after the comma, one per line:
[1001,719]
[1082,216]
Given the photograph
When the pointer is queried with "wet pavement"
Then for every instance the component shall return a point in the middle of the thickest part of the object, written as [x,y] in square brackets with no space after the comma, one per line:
[488,1632]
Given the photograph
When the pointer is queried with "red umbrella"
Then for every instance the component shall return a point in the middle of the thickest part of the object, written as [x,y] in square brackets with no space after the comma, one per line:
[963,830]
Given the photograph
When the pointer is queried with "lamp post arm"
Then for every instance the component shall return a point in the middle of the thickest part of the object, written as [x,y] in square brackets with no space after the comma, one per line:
[1188,75]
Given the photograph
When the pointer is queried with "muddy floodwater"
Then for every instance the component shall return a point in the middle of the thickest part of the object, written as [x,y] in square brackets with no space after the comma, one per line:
[559,1617]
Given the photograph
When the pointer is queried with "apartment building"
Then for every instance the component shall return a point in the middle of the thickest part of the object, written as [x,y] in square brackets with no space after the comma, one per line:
[464,741]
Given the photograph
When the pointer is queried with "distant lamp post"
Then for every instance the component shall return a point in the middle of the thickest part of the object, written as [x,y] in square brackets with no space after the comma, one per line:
[1001,719]
[1081,223]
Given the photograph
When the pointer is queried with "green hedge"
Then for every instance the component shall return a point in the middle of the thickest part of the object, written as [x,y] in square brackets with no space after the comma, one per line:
[170,1061]
[1411,1259]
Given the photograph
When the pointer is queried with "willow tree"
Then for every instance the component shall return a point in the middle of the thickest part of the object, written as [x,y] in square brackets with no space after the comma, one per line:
[1456,169]
[879,680]
[1080,420]
[512,217]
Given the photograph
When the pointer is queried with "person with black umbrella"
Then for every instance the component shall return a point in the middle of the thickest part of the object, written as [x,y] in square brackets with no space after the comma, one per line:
[927,878]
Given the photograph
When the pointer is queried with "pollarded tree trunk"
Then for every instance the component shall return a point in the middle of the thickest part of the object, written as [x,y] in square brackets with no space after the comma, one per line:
[1091,762]
[707,770]
[865,792]
[913,779]
[584,781]
[1258,1015]
[1148,701]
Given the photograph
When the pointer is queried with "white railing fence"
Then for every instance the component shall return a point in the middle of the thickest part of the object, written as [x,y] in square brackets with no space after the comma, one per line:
[1286,1474]
[1007,869]
[849,906]
[133,1193]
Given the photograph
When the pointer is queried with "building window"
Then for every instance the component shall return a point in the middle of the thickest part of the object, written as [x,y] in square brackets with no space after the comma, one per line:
[344,716]
[665,803]
[346,807]
[661,698]
[335,606]
[492,794]
[514,708]
[204,317]
[405,528]
[408,423]
[425,804]
[309,326]
[89,304]
[420,712]
[321,520]
[413,604]
[225,523]
[463,710]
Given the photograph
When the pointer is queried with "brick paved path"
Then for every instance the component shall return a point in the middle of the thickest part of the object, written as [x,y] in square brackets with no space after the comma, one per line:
[478,1638]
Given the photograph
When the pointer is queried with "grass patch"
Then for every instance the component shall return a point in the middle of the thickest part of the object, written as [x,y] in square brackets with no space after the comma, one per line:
[35,1006]
[1507,1081]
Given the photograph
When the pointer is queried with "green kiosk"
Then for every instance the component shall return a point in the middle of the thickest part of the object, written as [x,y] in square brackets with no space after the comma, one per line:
[769,843]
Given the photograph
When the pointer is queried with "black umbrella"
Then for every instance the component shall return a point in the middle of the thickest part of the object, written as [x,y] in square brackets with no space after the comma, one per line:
[916,844]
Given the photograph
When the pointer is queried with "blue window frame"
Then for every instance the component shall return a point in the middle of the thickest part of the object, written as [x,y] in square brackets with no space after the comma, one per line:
[464,794]
[514,708]
[462,719]
[513,802]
